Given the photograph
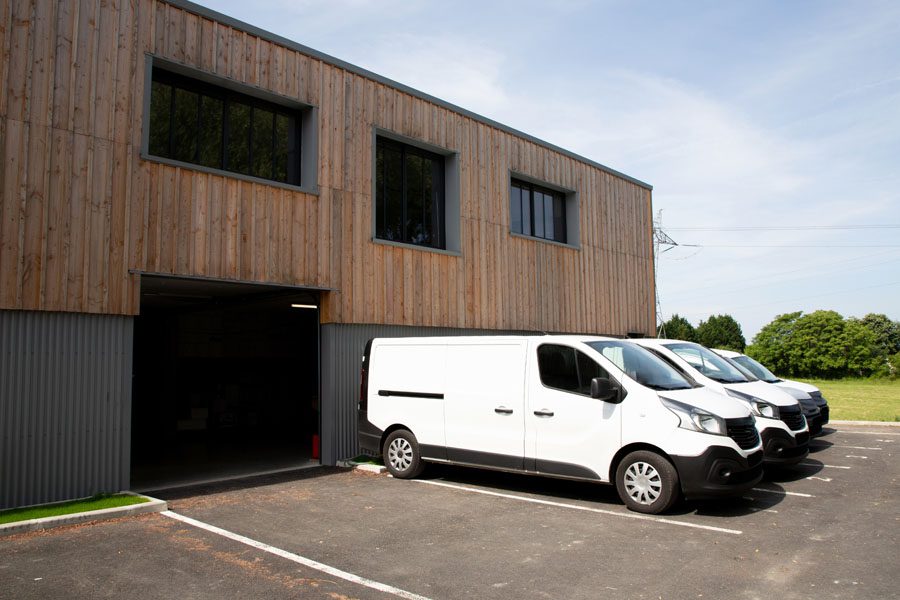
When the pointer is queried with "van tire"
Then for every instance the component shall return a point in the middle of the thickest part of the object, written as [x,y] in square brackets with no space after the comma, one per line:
[401,455]
[647,482]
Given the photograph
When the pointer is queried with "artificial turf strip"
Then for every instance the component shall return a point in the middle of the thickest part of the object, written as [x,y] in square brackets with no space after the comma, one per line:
[67,508]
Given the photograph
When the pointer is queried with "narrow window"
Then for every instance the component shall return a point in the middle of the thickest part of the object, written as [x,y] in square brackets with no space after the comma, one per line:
[537,212]
[409,194]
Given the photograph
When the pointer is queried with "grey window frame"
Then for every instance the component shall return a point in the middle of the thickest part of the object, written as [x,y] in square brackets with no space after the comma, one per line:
[308,114]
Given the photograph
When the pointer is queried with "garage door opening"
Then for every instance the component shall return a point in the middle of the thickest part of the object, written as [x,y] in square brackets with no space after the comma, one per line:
[226,381]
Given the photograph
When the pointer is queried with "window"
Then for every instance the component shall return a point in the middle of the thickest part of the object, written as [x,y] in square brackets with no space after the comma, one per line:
[202,124]
[537,211]
[409,194]
[566,368]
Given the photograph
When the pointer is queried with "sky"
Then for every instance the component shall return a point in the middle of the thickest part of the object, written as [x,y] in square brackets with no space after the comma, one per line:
[769,130]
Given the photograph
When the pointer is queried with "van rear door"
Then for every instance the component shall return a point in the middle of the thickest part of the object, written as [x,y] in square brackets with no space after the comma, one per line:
[484,409]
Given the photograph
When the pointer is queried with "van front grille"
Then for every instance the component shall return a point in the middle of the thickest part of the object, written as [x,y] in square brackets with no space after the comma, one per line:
[743,432]
[792,417]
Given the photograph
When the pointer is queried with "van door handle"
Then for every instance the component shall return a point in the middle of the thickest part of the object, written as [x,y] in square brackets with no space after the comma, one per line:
[543,413]
[502,410]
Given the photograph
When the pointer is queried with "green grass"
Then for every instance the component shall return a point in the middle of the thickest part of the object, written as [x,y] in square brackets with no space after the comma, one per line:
[66,508]
[861,399]
[368,460]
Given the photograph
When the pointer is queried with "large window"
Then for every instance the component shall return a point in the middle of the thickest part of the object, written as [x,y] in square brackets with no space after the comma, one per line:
[409,194]
[195,122]
[537,211]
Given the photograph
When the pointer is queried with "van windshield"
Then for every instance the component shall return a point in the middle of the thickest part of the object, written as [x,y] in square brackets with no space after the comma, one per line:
[756,368]
[641,365]
[708,363]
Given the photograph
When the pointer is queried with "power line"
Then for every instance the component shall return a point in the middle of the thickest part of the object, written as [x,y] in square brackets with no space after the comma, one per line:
[785,228]
[789,245]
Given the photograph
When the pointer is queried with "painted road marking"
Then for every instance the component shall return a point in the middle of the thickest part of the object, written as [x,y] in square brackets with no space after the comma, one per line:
[628,515]
[381,587]
[783,492]
[855,456]
[809,464]
[870,433]
[752,509]
[849,447]
[825,479]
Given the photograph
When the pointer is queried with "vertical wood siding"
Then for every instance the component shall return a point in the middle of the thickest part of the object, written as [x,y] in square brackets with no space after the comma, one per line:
[81,209]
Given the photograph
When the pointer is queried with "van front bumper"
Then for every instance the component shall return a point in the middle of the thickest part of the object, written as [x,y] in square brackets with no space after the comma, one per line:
[719,471]
[782,449]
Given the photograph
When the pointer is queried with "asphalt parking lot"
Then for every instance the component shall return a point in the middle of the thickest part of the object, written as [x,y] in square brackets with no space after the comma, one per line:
[826,529]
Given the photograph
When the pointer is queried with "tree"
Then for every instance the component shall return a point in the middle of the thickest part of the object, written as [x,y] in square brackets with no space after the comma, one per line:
[886,331]
[769,346]
[678,328]
[820,344]
[721,331]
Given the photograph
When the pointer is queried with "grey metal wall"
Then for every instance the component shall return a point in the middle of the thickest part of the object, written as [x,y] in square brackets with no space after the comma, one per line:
[65,405]
[341,350]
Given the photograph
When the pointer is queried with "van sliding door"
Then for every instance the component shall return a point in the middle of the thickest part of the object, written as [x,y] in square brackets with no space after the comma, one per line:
[484,407]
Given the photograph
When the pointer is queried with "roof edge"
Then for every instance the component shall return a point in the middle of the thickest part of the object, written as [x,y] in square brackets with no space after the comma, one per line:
[342,64]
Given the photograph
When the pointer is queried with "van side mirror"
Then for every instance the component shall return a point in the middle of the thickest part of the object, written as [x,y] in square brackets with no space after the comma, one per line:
[606,390]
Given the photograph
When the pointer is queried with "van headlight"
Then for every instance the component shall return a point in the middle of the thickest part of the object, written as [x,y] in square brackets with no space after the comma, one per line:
[758,406]
[694,418]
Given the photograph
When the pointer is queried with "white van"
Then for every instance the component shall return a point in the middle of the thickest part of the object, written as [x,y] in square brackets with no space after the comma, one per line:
[764,374]
[575,407]
[780,420]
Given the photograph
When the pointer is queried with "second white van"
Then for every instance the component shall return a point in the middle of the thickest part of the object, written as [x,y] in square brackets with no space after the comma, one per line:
[576,407]
[781,423]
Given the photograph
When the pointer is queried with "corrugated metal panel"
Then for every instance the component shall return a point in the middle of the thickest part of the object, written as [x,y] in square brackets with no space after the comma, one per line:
[342,348]
[65,405]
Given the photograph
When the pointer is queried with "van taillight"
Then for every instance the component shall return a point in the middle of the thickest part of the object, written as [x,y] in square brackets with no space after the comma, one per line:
[363,388]
[364,378]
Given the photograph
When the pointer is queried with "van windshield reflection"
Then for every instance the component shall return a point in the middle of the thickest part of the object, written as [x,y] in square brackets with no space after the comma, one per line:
[641,365]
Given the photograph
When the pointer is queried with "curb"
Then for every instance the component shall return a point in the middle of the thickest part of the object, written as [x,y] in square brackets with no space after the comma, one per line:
[875,423]
[368,467]
[154,506]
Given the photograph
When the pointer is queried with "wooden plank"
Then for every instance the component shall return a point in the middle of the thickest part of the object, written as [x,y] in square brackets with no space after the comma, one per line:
[85,63]
[63,68]
[216,203]
[34,234]
[5,38]
[20,58]
[96,253]
[103,85]
[79,213]
[56,221]
[11,210]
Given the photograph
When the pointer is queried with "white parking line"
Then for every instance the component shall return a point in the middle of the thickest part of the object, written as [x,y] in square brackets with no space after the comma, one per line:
[628,515]
[815,478]
[855,456]
[381,587]
[849,447]
[783,492]
[809,464]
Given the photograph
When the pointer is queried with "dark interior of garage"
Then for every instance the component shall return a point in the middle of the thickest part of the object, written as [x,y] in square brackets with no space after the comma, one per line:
[225,381]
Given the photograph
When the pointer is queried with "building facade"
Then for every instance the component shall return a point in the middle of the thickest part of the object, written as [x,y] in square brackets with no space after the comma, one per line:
[201,223]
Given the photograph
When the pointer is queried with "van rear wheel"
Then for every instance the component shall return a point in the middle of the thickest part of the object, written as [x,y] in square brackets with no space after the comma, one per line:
[647,482]
[401,455]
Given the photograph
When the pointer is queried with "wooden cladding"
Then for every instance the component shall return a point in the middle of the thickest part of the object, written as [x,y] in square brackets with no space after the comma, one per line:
[82,210]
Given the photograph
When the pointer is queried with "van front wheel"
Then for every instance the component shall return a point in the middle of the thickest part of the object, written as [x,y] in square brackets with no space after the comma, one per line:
[647,482]
[401,455]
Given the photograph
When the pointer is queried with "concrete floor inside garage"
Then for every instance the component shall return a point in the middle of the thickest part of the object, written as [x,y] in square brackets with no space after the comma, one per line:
[225,381]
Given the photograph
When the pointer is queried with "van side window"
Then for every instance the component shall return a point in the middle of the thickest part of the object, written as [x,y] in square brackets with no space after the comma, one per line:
[566,368]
